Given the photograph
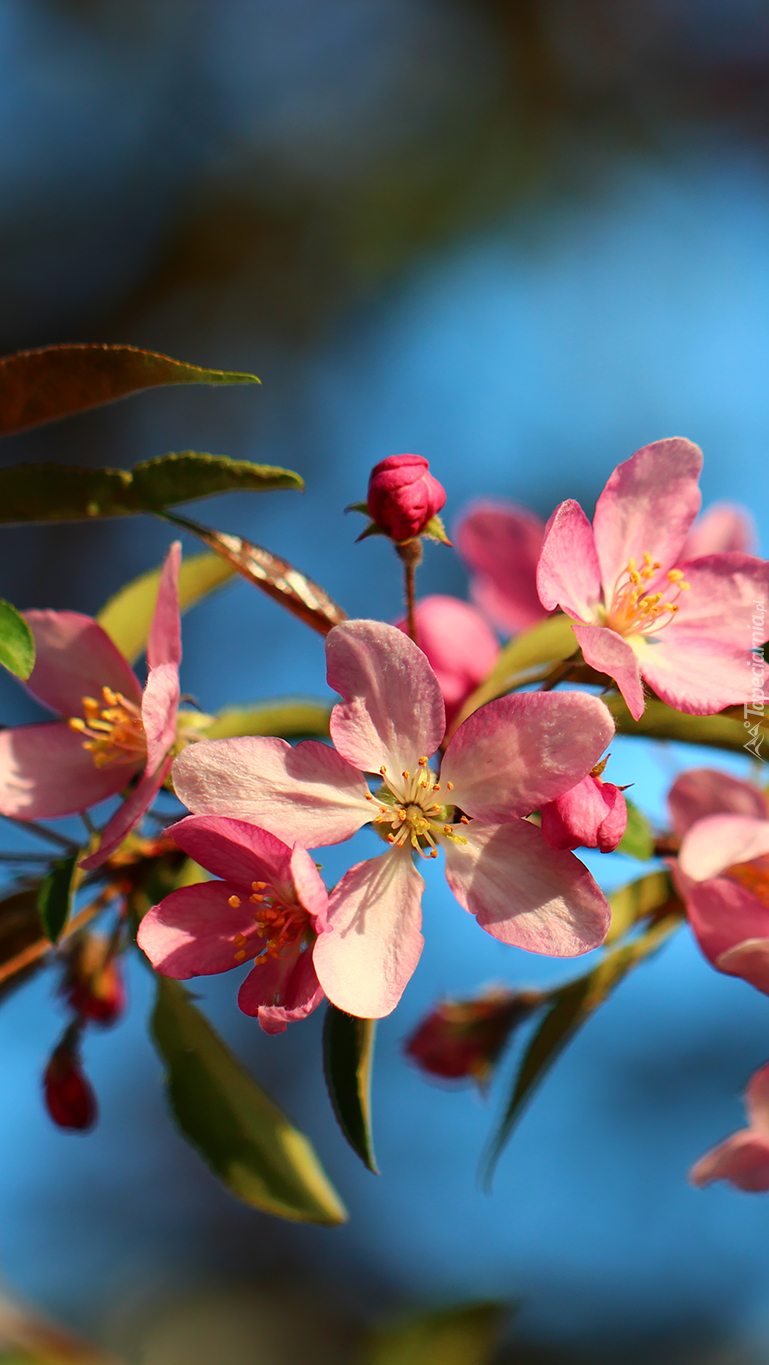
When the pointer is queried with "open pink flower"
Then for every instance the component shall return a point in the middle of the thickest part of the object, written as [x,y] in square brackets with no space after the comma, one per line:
[639,610]
[591,815]
[111,731]
[504,761]
[743,1159]
[269,906]
[461,647]
[501,543]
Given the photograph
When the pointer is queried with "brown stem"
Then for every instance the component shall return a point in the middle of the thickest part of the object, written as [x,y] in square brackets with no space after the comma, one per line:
[36,950]
[410,552]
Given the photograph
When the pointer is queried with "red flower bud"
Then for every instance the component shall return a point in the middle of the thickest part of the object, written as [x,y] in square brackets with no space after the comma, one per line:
[93,982]
[403,496]
[591,815]
[69,1098]
[465,1038]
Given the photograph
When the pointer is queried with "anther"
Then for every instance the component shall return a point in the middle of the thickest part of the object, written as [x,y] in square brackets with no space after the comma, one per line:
[234,901]
[240,955]
[424,760]
[463,820]
[674,575]
[258,886]
[383,770]
[406,774]
[240,940]
[256,899]
[450,786]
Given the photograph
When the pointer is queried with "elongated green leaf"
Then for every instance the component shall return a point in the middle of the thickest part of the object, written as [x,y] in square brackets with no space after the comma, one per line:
[127,616]
[17,645]
[348,1051]
[246,1140]
[57,889]
[275,576]
[570,1007]
[549,642]
[729,729]
[452,1336]
[286,717]
[58,492]
[637,901]
[638,839]
[40,386]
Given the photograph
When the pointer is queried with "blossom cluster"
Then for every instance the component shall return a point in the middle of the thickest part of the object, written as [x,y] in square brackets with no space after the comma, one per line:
[507,787]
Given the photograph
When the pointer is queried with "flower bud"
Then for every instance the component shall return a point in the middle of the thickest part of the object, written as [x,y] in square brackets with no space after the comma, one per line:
[403,496]
[93,982]
[465,1038]
[69,1098]
[591,815]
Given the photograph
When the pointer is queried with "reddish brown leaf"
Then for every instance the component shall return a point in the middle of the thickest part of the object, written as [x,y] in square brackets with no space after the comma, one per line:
[275,576]
[40,386]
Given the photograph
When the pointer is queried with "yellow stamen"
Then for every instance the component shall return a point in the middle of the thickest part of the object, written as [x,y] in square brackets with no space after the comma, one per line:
[234,901]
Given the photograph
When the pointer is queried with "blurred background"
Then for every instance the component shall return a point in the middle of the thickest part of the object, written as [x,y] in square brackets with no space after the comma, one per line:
[521,238]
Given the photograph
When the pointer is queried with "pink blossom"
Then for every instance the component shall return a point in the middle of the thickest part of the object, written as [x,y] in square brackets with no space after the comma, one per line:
[723,870]
[403,496]
[110,732]
[465,1038]
[461,647]
[743,1159]
[724,526]
[591,815]
[269,906]
[505,761]
[501,543]
[639,610]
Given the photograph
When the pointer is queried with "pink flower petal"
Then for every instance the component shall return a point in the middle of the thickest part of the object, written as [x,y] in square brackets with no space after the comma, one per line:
[236,851]
[75,658]
[607,652]
[719,841]
[192,931]
[698,676]
[724,526]
[722,914]
[45,773]
[709,791]
[460,647]
[524,893]
[501,542]
[165,639]
[567,574]
[309,886]
[757,1100]
[513,754]
[591,815]
[748,960]
[726,592]
[743,1159]
[309,794]
[128,815]
[648,504]
[291,981]
[392,710]
[160,702]
[372,944]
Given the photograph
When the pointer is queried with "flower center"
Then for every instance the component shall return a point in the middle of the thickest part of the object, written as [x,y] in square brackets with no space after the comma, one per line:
[754,876]
[282,928]
[112,728]
[408,805]
[634,610]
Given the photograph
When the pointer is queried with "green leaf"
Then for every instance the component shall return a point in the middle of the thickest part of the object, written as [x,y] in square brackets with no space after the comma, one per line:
[727,730]
[59,492]
[40,386]
[348,1051]
[57,890]
[246,1140]
[17,644]
[127,616]
[548,643]
[275,576]
[286,717]
[638,901]
[452,1336]
[638,839]
[569,1009]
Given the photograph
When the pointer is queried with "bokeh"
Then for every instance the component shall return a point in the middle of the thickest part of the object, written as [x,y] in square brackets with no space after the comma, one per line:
[521,238]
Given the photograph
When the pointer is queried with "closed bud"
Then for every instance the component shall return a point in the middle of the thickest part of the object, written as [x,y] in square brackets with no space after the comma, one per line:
[93,982]
[591,815]
[462,1039]
[69,1098]
[404,497]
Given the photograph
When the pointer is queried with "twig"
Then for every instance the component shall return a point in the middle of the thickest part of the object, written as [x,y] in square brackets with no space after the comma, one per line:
[43,832]
[41,946]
